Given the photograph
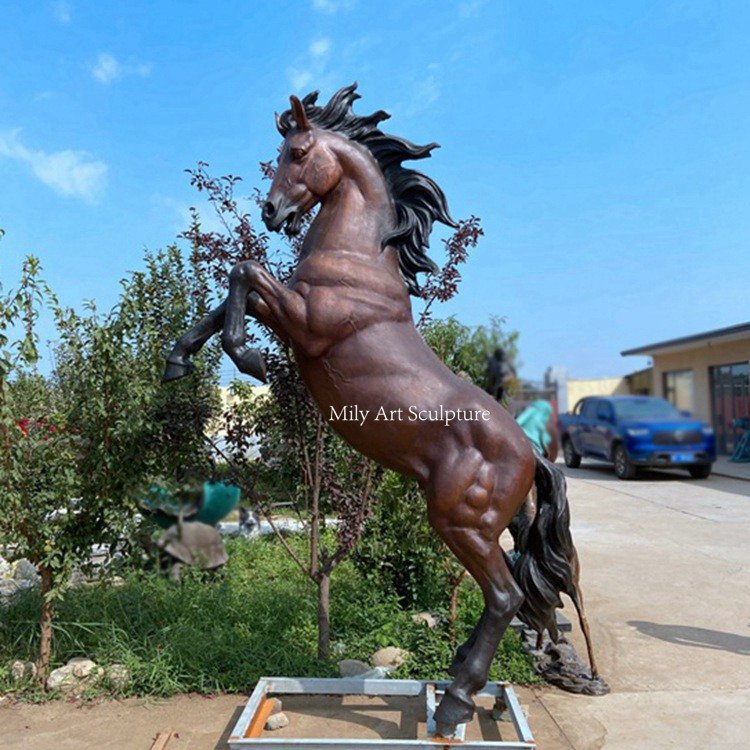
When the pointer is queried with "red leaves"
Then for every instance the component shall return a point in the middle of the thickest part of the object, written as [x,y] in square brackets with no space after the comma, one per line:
[27,426]
[443,285]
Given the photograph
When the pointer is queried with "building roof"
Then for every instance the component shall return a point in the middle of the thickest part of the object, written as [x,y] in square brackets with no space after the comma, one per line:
[732,333]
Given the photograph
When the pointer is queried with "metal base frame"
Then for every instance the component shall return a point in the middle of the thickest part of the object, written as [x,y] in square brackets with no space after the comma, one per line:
[247,730]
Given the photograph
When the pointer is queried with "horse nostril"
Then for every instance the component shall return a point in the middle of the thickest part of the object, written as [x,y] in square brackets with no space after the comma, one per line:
[268,210]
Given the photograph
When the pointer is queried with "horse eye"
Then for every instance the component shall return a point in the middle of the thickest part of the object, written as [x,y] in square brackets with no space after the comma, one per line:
[298,153]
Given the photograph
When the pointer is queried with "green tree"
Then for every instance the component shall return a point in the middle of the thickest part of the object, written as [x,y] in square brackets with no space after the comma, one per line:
[465,349]
[75,445]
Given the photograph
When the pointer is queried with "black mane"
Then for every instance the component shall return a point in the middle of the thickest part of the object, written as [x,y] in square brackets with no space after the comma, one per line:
[418,199]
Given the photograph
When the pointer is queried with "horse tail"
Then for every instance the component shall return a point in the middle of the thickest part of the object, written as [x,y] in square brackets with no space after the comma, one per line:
[545,562]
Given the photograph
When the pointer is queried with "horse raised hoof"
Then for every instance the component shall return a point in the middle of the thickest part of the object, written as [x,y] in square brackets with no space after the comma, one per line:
[251,363]
[177,368]
[452,711]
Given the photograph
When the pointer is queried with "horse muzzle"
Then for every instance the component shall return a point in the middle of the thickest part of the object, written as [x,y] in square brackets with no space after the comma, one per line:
[276,217]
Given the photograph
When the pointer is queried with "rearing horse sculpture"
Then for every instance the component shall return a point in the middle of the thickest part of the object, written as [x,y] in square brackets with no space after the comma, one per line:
[346,313]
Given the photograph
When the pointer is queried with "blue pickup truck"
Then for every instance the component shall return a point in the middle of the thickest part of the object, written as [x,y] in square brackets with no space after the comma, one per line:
[634,431]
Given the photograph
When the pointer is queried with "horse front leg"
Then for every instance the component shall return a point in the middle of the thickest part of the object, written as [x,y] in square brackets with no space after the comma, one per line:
[190,343]
[179,362]
[280,308]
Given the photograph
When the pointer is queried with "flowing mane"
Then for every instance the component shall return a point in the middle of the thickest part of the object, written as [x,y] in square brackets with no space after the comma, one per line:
[418,199]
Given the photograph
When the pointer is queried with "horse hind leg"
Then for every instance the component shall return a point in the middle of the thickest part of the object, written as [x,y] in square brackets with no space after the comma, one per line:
[463,650]
[484,560]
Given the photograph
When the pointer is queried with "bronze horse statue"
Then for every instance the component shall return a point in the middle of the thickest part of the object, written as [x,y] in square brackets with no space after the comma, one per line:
[346,313]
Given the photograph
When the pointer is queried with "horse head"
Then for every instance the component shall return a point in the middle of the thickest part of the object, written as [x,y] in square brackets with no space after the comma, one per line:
[307,170]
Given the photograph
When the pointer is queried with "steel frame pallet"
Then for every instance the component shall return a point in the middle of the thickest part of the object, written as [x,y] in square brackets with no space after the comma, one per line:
[247,731]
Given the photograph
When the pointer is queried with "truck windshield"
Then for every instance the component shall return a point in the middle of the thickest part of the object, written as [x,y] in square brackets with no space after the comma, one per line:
[645,408]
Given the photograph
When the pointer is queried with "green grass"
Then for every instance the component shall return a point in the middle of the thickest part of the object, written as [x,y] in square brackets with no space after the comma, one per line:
[220,632]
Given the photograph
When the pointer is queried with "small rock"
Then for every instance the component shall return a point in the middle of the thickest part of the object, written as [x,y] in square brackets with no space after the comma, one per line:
[277,721]
[5,568]
[426,618]
[277,707]
[23,570]
[78,672]
[81,667]
[77,578]
[22,670]
[118,675]
[10,587]
[61,678]
[390,656]
[352,667]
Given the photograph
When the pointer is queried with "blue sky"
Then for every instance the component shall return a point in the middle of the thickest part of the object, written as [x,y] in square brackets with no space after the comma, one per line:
[605,146]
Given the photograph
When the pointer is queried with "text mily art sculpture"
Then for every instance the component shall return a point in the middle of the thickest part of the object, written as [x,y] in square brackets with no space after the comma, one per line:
[346,313]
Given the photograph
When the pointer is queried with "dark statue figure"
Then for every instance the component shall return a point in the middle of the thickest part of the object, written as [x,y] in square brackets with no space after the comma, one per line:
[500,372]
[347,315]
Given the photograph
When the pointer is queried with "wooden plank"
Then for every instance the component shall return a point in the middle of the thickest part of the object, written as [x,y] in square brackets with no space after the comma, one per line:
[260,719]
[162,739]
[253,704]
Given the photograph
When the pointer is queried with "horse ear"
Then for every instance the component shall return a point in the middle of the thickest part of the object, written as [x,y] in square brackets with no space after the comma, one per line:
[300,116]
[279,126]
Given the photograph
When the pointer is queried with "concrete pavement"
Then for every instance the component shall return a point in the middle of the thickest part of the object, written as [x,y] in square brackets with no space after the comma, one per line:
[724,467]
[666,575]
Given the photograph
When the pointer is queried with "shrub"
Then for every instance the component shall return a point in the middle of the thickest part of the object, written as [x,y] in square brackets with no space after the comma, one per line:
[222,631]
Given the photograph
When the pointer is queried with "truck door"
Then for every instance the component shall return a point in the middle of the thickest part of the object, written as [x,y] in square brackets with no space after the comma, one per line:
[587,422]
[601,434]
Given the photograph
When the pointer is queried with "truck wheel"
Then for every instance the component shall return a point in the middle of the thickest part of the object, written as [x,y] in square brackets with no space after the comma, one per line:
[623,467]
[702,471]
[572,458]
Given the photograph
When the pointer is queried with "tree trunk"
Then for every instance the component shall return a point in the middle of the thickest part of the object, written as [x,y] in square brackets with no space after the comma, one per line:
[455,584]
[324,614]
[45,627]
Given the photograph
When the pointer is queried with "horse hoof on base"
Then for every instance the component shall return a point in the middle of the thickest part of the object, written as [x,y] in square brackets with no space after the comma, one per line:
[251,363]
[452,711]
[176,369]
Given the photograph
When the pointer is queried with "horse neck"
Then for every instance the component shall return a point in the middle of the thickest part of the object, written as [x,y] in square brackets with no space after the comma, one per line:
[359,212]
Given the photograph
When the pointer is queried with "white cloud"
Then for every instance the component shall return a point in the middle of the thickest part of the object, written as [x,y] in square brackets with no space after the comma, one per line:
[108,69]
[425,91]
[320,47]
[62,9]
[299,78]
[313,67]
[331,7]
[71,173]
